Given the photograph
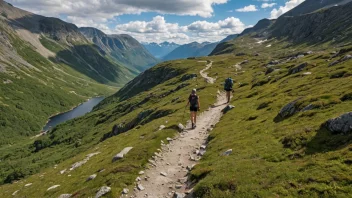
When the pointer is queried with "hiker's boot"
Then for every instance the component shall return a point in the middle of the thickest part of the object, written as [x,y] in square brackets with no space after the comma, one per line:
[192,125]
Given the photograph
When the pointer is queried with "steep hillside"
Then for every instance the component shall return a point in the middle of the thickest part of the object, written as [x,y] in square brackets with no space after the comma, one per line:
[46,66]
[309,6]
[123,48]
[191,50]
[229,38]
[278,147]
[330,25]
[160,50]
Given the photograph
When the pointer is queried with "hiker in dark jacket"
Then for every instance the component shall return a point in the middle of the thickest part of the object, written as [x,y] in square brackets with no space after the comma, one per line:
[193,101]
[228,88]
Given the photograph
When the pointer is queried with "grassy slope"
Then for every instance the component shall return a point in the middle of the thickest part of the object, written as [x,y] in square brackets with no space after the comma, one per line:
[294,157]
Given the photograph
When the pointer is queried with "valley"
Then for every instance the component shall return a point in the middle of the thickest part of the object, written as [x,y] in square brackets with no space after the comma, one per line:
[285,133]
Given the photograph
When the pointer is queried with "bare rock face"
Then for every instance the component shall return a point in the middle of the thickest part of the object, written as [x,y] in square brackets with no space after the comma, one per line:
[297,68]
[289,109]
[341,124]
[102,191]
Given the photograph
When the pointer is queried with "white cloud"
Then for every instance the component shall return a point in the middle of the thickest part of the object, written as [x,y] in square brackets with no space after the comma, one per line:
[275,13]
[158,30]
[268,5]
[249,8]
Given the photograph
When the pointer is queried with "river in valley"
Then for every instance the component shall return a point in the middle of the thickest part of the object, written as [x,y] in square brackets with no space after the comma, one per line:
[78,111]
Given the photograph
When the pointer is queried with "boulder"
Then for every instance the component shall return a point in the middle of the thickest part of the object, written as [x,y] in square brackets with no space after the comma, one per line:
[188,77]
[341,124]
[228,152]
[334,63]
[178,195]
[125,191]
[347,57]
[297,68]
[269,70]
[274,62]
[52,187]
[140,187]
[65,196]
[102,191]
[227,108]
[289,109]
[92,177]
[181,127]
[122,154]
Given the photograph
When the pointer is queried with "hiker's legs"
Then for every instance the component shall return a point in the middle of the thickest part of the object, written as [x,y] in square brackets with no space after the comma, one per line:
[228,94]
[195,118]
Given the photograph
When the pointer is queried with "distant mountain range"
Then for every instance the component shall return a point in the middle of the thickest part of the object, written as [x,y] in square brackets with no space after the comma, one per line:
[123,48]
[160,50]
[194,49]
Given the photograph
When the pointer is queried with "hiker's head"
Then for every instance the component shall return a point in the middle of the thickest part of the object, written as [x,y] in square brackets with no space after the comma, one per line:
[194,91]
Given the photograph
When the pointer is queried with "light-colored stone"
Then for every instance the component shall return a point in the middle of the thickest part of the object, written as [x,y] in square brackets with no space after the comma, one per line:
[92,177]
[163,174]
[141,172]
[228,152]
[65,196]
[125,191]
[122,154]
[102,191]
[28,185]
[162,127]
[53,187]
[181,127]
[63,171]
[178,195]
[140,187]
[14,193]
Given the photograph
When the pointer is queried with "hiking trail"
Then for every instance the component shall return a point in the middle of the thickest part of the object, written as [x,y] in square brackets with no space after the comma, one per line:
[168,170]
[205,75]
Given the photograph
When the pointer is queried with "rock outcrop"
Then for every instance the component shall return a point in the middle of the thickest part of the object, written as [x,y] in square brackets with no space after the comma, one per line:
[341,124]
[102,191]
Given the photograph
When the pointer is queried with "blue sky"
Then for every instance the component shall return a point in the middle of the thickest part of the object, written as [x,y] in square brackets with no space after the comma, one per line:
[179,21]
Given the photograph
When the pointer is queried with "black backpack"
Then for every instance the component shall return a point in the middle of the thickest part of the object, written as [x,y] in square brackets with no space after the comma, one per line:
[228,84]
[193,100]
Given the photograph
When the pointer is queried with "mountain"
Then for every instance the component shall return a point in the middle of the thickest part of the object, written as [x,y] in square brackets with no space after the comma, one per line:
[123,48]
[331,24]
[194,49]
[309,6]
[162,49]
[229,38]
[287,131]
[47,66]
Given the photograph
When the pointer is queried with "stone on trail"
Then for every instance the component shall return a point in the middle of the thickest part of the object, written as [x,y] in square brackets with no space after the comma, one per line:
[138,179]
[65,196]
[125,191]
[163,174]
[141,172]
[228,152]
[140,187]
[178,195]
[102,191]
[53,187]
[341,124]
[92,177]
[181,127]
[178,186]
[169,139]
[227,108]
[122,154]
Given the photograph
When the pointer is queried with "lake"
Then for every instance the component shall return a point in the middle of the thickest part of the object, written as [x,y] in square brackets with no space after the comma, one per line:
[78,111]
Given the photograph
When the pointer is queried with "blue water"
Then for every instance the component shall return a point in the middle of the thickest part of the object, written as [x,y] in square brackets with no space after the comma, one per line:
[74,113]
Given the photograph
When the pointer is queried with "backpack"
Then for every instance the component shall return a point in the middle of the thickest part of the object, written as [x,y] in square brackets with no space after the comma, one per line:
[193,100]
[228,84]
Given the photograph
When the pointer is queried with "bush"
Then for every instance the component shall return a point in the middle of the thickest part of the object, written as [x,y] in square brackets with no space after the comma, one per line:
[4,14]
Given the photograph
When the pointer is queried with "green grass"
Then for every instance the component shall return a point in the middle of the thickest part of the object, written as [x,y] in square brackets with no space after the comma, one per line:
[292,157]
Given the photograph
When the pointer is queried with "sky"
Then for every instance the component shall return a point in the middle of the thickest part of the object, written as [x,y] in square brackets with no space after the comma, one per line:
[179,21]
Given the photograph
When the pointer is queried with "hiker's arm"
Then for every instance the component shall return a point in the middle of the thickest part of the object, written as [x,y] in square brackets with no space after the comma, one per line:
[198,103]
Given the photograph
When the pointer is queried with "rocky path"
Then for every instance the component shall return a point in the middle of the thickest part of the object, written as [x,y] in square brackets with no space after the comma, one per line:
[205,75]
[167,174]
